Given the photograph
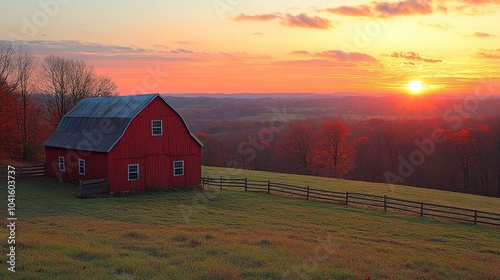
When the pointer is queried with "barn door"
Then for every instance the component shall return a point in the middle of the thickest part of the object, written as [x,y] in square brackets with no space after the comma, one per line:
[156,171]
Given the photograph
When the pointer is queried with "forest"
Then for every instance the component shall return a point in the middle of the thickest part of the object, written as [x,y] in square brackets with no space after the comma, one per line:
[454,150]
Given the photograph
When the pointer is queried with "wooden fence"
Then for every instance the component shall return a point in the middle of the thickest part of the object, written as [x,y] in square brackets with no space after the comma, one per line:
[24,171]
[96,186]
[366,200]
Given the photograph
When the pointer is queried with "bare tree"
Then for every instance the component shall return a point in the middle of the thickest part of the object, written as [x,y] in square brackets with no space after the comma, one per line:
[67,81]
[7,51]
[25,65]
[103,86]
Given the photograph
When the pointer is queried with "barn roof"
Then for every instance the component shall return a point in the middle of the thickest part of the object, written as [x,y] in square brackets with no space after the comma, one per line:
[96,124]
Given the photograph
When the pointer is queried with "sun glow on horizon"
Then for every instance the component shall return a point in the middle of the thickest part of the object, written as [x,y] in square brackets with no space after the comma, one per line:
[415,86]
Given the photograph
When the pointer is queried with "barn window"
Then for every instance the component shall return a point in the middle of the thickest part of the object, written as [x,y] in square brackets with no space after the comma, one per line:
[81,166]
[156,127]
[62,166]
[179,168]
[133,172]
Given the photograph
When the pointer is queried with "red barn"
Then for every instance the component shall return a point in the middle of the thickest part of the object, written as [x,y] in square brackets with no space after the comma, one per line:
[137,142]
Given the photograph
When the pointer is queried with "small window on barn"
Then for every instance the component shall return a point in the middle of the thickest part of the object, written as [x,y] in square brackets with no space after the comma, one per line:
[156,127]
[62,166]
[179,168]
[133,172]
[81,166]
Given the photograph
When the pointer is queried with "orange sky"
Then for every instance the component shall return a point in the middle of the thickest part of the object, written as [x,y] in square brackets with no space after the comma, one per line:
[222,46]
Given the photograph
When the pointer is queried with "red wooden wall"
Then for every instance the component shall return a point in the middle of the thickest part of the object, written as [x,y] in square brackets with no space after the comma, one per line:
[155,154]
[96,164]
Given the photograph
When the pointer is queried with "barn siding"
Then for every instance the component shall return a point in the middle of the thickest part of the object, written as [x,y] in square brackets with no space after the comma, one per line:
[155,154]
[96,164]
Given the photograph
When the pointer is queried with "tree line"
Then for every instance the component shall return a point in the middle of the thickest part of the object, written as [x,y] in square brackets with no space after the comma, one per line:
[36,93]
[407,152]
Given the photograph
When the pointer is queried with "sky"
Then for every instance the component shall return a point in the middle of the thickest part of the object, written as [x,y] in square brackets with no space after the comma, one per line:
[258,46]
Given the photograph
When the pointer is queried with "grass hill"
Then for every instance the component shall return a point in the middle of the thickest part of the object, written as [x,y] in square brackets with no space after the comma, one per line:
[186,234]
[477,202]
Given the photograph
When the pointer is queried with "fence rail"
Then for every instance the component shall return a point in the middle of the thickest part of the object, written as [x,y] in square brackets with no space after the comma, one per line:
[25,171]
[90,187]
[365,200]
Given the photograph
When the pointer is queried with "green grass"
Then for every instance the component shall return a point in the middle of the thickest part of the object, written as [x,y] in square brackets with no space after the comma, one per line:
[186,234]
[477,202]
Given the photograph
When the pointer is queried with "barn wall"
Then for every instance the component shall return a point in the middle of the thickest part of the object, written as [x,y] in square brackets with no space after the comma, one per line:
[155,154]
[96,164]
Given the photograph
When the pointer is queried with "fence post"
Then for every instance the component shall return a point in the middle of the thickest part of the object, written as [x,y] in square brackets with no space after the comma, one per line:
[268,186]
[80,190]
[475,217]
[346,198]
[221,183]
[421,209]
[385,203]
[307,197]
[246,184]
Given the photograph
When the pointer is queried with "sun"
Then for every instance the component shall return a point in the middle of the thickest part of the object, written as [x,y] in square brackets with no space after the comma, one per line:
[415,86]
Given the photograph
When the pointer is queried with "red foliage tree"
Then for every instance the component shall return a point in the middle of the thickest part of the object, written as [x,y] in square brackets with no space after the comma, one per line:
[295,149]
[335,154]
[9,144]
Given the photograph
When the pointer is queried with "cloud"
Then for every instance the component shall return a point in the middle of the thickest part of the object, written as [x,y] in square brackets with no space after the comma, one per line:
[181,51]
[301,20]
[479,2]
[90,50]
[262,17]
[441,26]
[408,7]
[483,35]
[300,52]
[412,56]
[489,54]
[258,33]
[361,10]
[313,63]
[347,56]
[386,9]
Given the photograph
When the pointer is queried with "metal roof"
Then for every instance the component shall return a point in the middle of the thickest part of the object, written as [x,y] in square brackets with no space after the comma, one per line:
[97,124]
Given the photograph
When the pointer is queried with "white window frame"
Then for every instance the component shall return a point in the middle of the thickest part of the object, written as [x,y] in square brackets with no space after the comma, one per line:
[128,172]
[153,127]
[62,164]
[81,165]
[178,168]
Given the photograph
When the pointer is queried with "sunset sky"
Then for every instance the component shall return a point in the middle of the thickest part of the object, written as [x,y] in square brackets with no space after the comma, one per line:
[232,46]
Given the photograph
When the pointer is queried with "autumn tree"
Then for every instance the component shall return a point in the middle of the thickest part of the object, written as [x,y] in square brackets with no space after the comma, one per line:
[8,128]
[296,149]
[334,151]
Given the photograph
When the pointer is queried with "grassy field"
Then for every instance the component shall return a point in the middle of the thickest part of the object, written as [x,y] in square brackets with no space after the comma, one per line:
[477,202]
[186,234]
